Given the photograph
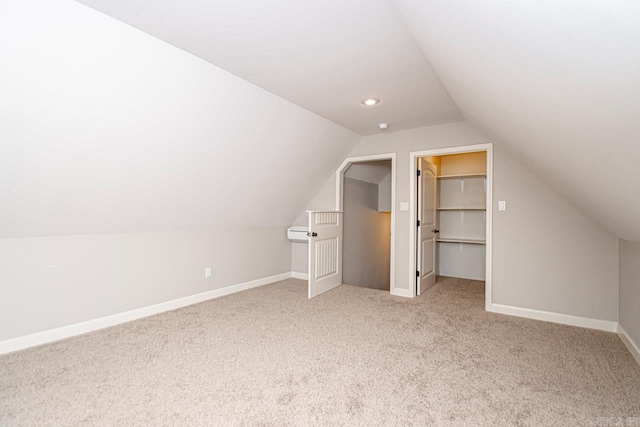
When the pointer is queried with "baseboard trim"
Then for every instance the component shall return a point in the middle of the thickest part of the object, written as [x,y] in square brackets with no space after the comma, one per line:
[547,316]
[401,293]
[634,349]
[44,337]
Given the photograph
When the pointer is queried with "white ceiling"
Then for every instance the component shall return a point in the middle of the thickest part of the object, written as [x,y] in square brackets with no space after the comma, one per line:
[557,81]
[324,55]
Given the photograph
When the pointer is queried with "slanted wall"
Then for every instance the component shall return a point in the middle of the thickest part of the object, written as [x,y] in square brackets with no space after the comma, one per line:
[127,166]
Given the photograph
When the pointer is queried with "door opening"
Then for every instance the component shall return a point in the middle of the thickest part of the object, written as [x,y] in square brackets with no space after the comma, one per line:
[367,225]
[451,238]
[365,192]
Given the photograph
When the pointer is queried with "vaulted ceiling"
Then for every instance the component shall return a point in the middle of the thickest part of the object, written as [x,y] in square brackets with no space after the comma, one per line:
[326,56]
[105,129]
[558,82]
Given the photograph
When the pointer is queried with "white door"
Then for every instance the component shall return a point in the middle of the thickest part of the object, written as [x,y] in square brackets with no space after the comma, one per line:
[325,251]
[426,225]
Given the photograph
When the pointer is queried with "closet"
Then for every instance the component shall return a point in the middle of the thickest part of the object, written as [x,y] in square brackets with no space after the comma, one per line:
[461,215]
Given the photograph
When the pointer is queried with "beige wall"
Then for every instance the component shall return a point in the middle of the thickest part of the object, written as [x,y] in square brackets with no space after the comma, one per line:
[367,237]
[465,163]
[49,282]
[629,275]
[384,193]
[547,254]
[300,257]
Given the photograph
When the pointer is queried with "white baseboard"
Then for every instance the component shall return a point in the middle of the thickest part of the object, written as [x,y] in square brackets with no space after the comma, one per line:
[547,316]
[634,349]
[39,338]
[402,292]
[301,276]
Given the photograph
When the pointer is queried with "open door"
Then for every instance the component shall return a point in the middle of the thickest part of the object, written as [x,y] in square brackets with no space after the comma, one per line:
[325,251]
[427,232]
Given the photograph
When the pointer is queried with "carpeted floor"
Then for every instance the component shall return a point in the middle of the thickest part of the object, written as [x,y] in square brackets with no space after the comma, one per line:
[353,356]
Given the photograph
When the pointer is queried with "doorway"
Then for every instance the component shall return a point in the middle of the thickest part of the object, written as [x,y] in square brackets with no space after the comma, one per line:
[451,212]
[367,225]
[357,180]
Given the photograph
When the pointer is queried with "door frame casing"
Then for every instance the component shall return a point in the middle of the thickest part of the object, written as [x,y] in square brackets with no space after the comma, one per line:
[340,201]
[413,167]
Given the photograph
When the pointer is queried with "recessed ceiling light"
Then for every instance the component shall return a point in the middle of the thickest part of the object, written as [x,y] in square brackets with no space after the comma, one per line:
[383,126]
[370,101]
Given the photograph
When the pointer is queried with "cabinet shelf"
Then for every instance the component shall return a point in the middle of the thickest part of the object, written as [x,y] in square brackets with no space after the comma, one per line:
[472,241]
[461,209]
[463,175]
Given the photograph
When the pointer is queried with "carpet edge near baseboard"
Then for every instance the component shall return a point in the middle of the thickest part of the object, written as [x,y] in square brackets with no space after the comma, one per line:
[51,335]
[631,345]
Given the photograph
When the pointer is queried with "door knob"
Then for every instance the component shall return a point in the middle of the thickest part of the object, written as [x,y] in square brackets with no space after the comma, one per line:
[314,234]
[436,231]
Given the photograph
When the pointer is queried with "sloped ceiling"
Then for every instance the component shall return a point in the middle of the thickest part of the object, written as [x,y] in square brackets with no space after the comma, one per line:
[105,129]
[324,55]
[558,81]
[372,172]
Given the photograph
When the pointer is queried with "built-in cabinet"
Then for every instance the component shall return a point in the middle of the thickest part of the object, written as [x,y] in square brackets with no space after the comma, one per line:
[461,215]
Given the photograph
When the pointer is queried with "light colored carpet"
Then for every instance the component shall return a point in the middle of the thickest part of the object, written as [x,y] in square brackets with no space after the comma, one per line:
[353,356]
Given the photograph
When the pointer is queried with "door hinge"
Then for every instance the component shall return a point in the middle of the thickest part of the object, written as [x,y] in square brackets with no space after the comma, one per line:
[418,172]
[417,274]
[418,223]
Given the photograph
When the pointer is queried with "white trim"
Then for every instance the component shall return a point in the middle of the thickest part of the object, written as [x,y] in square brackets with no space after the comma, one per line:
[413,155]
[340,187]
[402,293]
[39,338]
[631,345]
[547,316]
[301,276]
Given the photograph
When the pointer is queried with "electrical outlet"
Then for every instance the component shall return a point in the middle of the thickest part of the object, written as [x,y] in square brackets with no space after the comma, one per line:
[502,205]
[207,272]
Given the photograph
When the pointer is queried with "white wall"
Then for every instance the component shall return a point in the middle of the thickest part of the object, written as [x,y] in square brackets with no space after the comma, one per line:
[629,303]
[143,164]
[553,77]
[547,254]
[105,129]
[367,237]
[49,282]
